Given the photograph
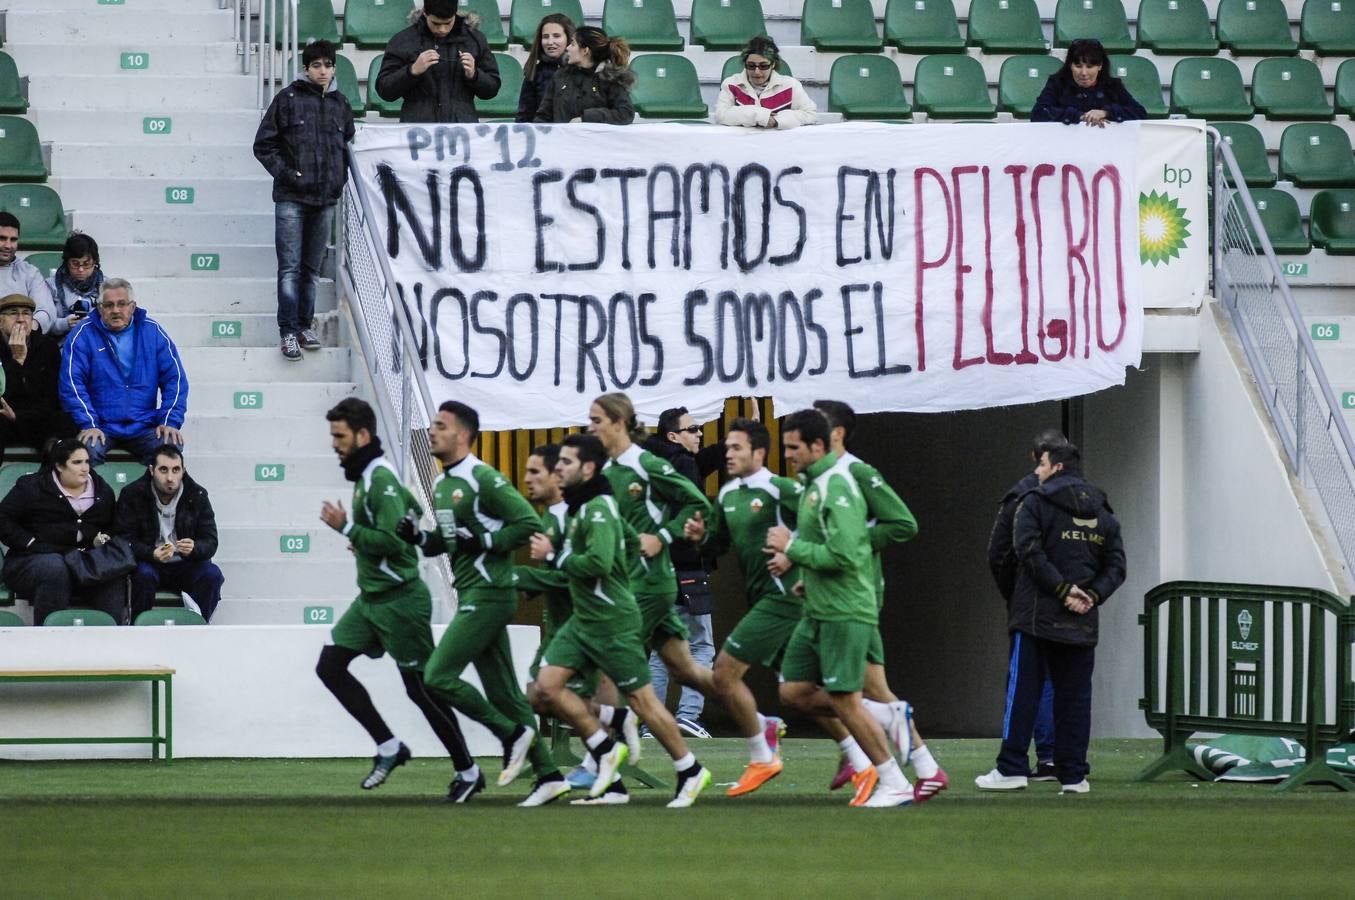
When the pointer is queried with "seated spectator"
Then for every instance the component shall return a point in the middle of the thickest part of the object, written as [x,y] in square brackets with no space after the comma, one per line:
[61,507]
[438,66]
[19,276]
[594,84]
[168,520]
[30,411]
[75,284]
[543,63]
[133,396]
[760,96]
[1083,91]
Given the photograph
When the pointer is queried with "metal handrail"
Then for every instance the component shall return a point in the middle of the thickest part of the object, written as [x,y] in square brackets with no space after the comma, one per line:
[277,68]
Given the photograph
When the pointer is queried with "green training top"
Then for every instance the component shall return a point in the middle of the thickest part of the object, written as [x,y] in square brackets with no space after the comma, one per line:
[832,547]
[745,509]
[379,502]
[595,560]
[552,583]
[887,517]
[478,497]
[645,486]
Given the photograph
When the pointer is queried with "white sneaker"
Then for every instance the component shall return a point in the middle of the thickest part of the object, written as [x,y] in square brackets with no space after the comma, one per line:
[515,755]
[545,792]
[610,798]
[608,765]
[899,731]
[630,731]
[690,789]
[1082,787]
[887,796]
[996,781]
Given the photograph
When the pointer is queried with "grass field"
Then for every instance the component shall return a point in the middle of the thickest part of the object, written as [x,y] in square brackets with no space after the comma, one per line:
[284,828]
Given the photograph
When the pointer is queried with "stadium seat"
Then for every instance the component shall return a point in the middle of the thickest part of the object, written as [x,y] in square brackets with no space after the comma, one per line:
[387,108]
[840,26]
[952,87]
[42,217]
[1250,150]
[1289,88]
[12,99]
[370,24]
[666,87]
[1279,213]
[1328,27]
[347,76]
[120,474]
[47,263]
[1205,88]
[646,24]
[314,22]
[1006,26]
[734,65]
[726,24]
[1255,28]
[867,86]
[1101,19]
[10,619]
[1316,154]
[1176,28]
[1020,81]
[78,617]
[1141,78]
[1345,88]
[12,471]
[1331,222]
[923,26]
[20,151]
[491,21]
[527,14]
[505,103]
[169,615]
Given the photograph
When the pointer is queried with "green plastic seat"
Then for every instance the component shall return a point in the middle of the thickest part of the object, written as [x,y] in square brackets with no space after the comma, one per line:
[726,24]
[1289,88]
[389,109]
[1250,150]
[1331,222]
[841,26]
[314,22]
[1255,28]
[734,65]
[666,87]
[1328,27]
[169,615]
[527,14]
[12,471]
[46,261]
[20,151]
[952,87]
[1006,26]
[505,103]
[491,21]
[347,76]
[11,619]
[1101,19]
[1208,88]
[12,100]
[646,24]
[1142,80]
[1345,88]
[66,617]
[923,26]
[42,218]
[866,86]
[1316,154]
[1279,214]
[120,474]
[1020,81]
[370,24]
[1176,28]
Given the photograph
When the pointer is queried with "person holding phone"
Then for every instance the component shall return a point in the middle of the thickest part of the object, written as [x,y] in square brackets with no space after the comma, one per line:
[30,410]
[438,66]
[75,284]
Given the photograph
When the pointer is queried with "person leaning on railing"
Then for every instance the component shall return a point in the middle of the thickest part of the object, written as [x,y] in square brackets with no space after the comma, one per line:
[760,96]
[1084,92]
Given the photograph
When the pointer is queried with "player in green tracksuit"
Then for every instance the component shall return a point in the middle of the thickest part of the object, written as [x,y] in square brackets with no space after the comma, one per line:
[603,633]
[392,610]
[543,487]
[481,520]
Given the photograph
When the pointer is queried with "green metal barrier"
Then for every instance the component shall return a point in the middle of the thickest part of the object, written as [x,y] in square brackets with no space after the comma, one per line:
[1248,659]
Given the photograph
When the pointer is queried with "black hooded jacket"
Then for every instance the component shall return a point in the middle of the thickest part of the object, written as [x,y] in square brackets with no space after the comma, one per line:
[1064,534]
[36,518]
[536,87]
[139,520]
[443,93]
[1001,553]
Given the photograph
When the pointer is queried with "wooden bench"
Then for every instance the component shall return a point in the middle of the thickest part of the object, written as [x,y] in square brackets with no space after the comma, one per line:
[157,676]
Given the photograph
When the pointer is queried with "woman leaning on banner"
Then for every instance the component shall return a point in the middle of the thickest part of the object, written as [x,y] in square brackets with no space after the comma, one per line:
[594,84]
[761,97]
[543,62]
[1083,91]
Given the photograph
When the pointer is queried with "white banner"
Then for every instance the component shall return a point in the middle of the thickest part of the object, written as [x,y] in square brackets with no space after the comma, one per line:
[897,268]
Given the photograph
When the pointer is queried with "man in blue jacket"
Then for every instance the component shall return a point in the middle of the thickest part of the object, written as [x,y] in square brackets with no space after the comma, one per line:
[122,380]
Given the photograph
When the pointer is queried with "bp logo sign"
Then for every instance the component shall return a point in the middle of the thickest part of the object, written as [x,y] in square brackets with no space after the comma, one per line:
[1163,228]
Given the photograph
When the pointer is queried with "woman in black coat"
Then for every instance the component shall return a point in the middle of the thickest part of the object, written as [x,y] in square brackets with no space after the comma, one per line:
[595,83]
[61,507]
[1085,92]
[543,63]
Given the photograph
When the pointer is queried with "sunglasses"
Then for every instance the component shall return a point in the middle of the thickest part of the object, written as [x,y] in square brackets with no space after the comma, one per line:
[690,429]
[757,67]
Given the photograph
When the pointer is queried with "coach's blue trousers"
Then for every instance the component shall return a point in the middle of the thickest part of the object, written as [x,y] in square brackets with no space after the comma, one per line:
[1069,668]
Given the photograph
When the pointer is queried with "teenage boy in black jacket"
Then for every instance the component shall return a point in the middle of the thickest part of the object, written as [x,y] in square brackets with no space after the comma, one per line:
[438,66]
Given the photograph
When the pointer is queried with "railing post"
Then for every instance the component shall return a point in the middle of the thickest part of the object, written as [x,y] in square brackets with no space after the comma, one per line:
[1299,407]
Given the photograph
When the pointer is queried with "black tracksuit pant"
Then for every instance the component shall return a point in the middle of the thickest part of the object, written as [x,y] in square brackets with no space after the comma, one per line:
[1069,667]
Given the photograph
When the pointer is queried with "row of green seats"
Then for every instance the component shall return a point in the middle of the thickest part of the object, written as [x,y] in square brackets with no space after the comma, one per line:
[97,617]
[1331,221]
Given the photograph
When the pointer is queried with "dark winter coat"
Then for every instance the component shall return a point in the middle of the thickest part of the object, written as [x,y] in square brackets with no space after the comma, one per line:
[684,554]
[600,94]
[1063,101]
[1001,553]
[1065,534]
[138,520]
[536,87]
[301,143]
[31,388]
[36,518]
[443,93]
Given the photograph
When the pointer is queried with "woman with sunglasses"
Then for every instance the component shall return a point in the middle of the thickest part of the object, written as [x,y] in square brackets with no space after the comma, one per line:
[760,96]
[1084,92]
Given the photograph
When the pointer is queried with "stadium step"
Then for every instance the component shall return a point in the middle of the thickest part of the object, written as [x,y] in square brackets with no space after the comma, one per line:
[264,437]
[77,22]
[216,296]
[274,610]
[100,58]
[267,542]
[307,578]
[267,364]
[274,505]
[318,468]
[297,398]
[172,226]
[154,96]
[238,330]
[204,260]
[153,160]
[222,126]
[203,194]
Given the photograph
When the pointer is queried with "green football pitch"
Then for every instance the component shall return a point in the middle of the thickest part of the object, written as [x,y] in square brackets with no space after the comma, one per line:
[286,828]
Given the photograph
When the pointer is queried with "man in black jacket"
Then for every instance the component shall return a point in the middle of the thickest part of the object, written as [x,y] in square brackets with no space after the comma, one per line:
[438,66]
[169,521]
[1070,560]
[30,410]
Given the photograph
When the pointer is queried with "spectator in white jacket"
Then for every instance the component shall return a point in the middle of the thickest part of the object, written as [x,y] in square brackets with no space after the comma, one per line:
[760,96]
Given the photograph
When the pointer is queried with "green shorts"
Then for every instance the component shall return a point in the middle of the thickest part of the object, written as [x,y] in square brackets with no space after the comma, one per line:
[832,654]
[659,619]
[618,656]
[398,624]
[761,635]
[875,653]
[584,687]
